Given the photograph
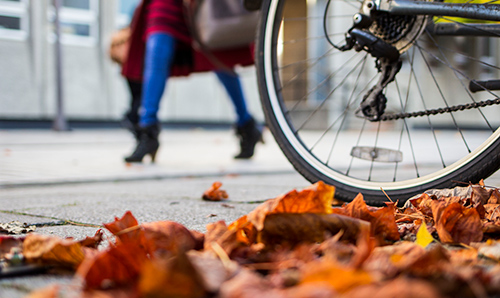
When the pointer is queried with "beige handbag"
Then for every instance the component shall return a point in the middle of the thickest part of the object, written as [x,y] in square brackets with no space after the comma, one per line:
[222,24]
[120,42]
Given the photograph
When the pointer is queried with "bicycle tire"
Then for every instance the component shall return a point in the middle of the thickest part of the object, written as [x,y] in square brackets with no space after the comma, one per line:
[479,163]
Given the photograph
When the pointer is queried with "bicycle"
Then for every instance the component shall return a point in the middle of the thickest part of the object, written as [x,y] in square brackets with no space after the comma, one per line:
[379,97]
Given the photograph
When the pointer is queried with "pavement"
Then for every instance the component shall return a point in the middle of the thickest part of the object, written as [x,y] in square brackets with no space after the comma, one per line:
[69,183]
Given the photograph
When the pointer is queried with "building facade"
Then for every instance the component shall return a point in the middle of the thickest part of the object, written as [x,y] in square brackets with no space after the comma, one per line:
[93,88]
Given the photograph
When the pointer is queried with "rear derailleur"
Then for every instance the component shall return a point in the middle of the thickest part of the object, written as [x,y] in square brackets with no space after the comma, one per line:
[388,63]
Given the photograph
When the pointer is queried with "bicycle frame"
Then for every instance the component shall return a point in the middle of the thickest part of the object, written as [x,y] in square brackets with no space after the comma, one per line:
[406,7]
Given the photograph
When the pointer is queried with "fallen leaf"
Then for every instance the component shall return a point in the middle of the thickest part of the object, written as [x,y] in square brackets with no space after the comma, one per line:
[339,278]
[295,228]
[424,238]
[127,228]
[47,250]
[211,270]
[490,249]
[390,260]
[219,233]
[118,265]
[400,287]
[167,236]
[171,277]
[51,291]
[16,228]
[249,284]
[383,221]
[316,198]
[456,223]
[92,242]
[9,242]
[214,193]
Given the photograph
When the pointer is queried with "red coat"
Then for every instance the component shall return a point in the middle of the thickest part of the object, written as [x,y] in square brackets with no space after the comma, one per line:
[187,59]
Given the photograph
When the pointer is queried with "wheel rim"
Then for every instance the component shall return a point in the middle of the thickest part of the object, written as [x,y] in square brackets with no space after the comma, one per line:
[300,137]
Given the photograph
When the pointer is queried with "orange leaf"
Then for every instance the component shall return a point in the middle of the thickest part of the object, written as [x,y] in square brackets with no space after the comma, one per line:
[52,251]
[172,277]
[383,221]
[399,287]
[51,291]
[119,264]
[127,228]
[214,193]
[92,242]
[456,223]
[245,231]
[316,198]
[328,272]
[168,236]
[218,232]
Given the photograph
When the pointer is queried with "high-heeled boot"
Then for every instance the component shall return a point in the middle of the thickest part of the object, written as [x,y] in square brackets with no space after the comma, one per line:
[147,144]
[249,134]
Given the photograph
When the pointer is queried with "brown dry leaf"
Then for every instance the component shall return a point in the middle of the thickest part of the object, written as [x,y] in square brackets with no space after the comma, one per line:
[167,236]
[249,284]
[456,223]
[401,287]
[433,261]
[310,290]
[117,265]
[122,292]
[493,212]
[219,233]
[214,193]
[464,257]
[211,269]
[391,260]
[49,250]
[339,278]
[316,198]
[490,249]
[171,277]
[9,242]
[94,241]
[485,195]
[296,228]
[383,221]
[51,291]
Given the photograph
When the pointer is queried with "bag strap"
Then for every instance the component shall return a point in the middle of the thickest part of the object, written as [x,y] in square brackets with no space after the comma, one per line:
[191,8]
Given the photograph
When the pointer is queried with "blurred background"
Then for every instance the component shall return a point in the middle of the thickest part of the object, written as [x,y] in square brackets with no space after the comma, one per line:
[93,89]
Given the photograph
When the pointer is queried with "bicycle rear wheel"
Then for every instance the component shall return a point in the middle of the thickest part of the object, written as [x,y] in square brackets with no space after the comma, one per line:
[310,92]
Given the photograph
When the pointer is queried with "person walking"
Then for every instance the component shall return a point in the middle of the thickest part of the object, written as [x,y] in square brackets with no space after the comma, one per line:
[161,47]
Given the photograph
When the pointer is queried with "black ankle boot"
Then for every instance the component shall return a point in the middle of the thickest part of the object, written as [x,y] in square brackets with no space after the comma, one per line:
[131,126]
[249,134]
[147,144]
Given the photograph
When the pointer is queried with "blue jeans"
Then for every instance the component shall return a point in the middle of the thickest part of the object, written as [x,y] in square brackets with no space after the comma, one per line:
[160,50]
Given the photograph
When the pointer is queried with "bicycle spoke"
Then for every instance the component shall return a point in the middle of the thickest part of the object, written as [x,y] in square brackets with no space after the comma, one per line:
[443,97]
[466,89]
[346,109]
[331,92]
[433,130]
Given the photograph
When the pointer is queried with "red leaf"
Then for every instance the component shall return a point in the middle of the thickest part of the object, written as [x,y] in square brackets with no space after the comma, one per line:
[117,265]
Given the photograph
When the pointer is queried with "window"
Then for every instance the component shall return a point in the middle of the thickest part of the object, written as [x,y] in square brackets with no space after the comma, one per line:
[79,23]
[13,19]
[125,12]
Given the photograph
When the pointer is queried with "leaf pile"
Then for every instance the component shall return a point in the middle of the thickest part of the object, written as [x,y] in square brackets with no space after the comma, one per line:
[441,244]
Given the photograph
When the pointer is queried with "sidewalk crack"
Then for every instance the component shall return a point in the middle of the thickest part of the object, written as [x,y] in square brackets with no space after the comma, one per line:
[58,221]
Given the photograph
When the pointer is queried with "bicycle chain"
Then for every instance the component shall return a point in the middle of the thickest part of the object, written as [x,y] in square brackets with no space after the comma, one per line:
[456,108]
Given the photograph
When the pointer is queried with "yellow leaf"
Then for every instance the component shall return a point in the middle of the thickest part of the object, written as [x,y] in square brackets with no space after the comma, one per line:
[424,238]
